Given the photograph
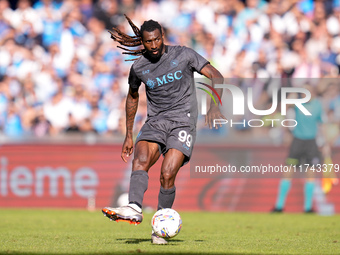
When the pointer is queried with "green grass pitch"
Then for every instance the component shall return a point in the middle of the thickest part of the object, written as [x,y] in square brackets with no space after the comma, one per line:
[47,231]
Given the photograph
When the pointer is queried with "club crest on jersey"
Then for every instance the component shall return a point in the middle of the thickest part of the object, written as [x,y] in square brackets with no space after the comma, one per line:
[150,83]
[174,63]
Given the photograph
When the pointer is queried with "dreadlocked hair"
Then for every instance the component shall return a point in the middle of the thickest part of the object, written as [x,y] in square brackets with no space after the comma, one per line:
[127,40]
[133,41]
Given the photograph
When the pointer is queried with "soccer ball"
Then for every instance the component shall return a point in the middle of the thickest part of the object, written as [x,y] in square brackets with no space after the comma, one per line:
[166,223]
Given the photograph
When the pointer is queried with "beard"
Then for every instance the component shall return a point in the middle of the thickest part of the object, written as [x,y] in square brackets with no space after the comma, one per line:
[155,56]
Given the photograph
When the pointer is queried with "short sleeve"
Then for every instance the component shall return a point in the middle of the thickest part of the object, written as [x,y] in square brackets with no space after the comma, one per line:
[196,61]
[134,81]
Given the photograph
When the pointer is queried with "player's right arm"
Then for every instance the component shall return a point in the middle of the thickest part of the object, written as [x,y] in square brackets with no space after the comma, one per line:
[130,110]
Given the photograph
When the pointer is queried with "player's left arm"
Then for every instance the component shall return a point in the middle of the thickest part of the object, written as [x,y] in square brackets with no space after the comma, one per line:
[216,78]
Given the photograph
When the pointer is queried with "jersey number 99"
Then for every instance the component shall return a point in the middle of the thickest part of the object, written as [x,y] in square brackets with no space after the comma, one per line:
[184,137]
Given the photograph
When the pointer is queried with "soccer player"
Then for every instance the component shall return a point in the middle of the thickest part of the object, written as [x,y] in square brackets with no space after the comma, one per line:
[170,128]
[304,147]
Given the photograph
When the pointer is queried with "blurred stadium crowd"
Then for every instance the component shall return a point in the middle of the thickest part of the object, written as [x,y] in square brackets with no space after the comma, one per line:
[60,71]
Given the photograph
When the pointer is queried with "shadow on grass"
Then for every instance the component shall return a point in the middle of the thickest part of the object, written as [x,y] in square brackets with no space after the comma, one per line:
[140,240]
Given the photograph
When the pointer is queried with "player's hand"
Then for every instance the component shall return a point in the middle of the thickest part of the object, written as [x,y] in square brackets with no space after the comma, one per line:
[127,148]
[212,114]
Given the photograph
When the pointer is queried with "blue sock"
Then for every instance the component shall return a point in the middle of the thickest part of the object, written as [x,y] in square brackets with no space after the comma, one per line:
[284,188]
[309,189]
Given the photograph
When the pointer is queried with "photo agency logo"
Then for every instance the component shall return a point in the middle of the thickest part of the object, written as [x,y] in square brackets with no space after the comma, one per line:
[209,93]
[280,97]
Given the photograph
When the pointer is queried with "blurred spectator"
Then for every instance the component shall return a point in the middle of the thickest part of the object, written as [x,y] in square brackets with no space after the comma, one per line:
[114,119]
[40,125]
[12,122]
[108,12]
[6,11]
[86,9]
[57,110]
[28,24]
[98,113]
[80,105]
[52,22]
